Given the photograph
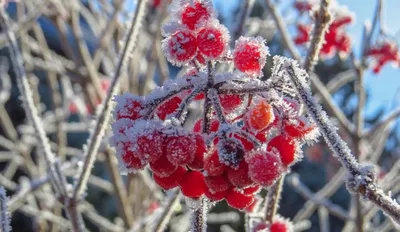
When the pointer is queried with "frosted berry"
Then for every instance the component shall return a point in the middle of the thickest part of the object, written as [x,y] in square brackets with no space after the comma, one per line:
[213,41]
[129,158]
[192,184]
[201,150]
[238,201]
[217,183]
[128,106]
[251,190]
[180,150]
[162,167]
[193,15]
[261,116]
[212,165]
[264,167]
[180,48]
[150,146]
[216,196]
[278,227]
[240,177]
[214,126]
[168,107]
[250,55]
[170,181]
[230,102]
[299,128]
[286,147]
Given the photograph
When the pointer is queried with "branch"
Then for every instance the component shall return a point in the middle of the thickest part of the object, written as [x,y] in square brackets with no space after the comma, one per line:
[386,120]
[362,178]
[4,214]
[104,117]
[321,26]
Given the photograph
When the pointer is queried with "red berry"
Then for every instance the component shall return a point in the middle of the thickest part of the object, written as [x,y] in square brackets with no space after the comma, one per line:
[150,146]
[162,167]
[264,167]
[180,48]
[180,150]
[213,41]
[240,177]
[302,6]
[279,226]
[192,184]
[298,128]
[212,165]
[251,208]
[249,55]
[128,106]
[286,147]
[251,190]
[168,107]
[129,158]
[201,151]
[193,15]
[238,200]
[170,181]
[213,127]
[230,102]
[215,196]
[217,183]
[261,116]
[199,97]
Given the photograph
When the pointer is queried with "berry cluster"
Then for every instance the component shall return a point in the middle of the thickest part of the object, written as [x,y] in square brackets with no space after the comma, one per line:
[336,38]
[279,224]
[251,131]
[383,53]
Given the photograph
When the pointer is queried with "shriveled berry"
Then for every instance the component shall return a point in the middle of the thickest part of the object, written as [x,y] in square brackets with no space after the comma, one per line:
[217,183]
[213,41]
[168,107]
[201,150]
[162,167]
[180,150]
[240,177]
[170,181]
[286,147]
[192,184]
[230,152]
[180,47]
[193,15]
[150,146]
[212,165]
[264,168]
[238,200]
[249,55]
[261,116]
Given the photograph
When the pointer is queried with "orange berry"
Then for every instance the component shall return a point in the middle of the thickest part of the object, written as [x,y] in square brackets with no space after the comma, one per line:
[261,116]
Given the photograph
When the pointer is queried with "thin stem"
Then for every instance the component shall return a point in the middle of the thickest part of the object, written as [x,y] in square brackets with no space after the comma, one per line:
[272,200]
[321,26]
[168,211]
[103,118]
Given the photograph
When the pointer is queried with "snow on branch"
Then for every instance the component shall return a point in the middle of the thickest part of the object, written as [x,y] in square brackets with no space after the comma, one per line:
[362,178]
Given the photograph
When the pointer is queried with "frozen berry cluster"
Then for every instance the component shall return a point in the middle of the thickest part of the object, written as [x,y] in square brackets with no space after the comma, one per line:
[336,38]
[250,132]
[384,52]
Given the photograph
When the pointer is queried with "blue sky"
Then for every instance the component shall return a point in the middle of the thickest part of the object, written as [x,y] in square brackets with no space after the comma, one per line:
[382,87]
